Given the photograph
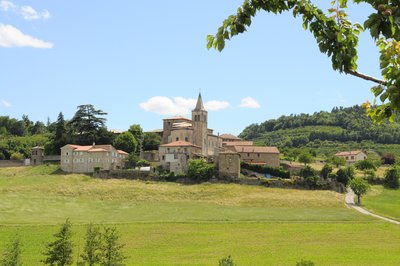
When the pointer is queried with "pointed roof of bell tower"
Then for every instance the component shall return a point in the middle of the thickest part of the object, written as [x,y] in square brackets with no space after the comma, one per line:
[199,104]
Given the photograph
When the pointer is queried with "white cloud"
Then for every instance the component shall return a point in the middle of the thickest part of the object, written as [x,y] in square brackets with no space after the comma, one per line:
[13,37]
[216,105]
[249,102]
[5,103]
[7,5]
[27,12]
[178,105]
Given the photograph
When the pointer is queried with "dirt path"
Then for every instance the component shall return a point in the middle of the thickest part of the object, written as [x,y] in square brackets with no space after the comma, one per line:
[350,202]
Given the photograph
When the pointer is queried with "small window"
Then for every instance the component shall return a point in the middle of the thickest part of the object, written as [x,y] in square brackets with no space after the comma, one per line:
[258,155]
[163,157]
[175,156]
[186,139]
[67,153]
[177,139]
[248,154]
[352,157]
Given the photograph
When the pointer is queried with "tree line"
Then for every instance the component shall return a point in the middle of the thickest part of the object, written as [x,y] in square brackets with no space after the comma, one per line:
[341,124]
[87,126]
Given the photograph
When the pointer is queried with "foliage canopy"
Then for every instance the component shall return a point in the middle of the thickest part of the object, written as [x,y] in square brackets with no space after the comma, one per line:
[337,37]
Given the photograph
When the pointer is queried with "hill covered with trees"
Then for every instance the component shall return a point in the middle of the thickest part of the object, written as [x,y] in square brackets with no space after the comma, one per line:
[327,132]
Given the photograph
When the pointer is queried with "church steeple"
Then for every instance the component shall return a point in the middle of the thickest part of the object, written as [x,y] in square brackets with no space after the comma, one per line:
[199,104]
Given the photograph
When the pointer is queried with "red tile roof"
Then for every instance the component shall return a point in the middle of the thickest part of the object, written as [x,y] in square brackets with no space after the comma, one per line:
[237,143]
[229,136]
[348,153]
[179,144]
[178,118]
[122,152]
[256,149]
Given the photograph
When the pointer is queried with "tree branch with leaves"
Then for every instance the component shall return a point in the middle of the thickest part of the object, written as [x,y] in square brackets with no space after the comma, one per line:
[337,37]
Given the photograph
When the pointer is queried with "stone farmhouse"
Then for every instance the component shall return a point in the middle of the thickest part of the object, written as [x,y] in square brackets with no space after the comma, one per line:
[352,156]
[86,159]
[184,139]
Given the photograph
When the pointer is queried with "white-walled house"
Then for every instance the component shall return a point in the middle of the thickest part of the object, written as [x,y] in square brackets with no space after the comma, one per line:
[352,156]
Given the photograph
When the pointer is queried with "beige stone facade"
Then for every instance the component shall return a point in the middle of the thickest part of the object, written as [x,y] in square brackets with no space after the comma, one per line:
[352,156]
[175,156]
[229,164]
[85,159]
[259,155]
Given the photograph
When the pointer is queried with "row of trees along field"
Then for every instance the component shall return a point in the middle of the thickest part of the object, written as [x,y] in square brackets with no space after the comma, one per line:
[88,125]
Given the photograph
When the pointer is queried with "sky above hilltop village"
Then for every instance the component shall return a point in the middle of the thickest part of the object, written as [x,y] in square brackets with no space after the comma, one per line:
[142,61]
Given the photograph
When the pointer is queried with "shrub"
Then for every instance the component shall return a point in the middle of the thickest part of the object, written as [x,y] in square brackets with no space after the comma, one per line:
[17,156]
[342,176]
[274,171]
[388,158]
[227,261]
[365,165]
[312,181]
[200,170]
[305,263]
[307,171]
[142,162]
[326,170]
[392,178]
[305,158]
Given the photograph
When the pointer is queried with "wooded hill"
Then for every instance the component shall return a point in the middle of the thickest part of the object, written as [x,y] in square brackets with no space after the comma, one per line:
[327,132]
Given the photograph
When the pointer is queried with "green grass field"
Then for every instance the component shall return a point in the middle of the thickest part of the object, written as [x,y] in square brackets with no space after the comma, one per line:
[173,224]
[385,202]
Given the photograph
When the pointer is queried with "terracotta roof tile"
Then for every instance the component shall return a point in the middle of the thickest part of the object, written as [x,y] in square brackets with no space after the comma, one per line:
[237,143]
[229,136]
[178,118]
[122,152]
[179,144]
[256,149]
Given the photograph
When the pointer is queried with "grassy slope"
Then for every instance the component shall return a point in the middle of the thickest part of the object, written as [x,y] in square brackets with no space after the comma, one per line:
[171,224]
[382,201]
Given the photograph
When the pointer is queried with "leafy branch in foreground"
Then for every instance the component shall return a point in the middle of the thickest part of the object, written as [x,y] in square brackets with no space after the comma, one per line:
[337,37]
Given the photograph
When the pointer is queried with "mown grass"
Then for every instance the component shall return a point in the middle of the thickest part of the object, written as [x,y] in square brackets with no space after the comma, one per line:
[383,201]
[172,224]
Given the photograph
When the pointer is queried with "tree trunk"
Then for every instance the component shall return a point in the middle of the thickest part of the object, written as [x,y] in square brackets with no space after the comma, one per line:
[359,199]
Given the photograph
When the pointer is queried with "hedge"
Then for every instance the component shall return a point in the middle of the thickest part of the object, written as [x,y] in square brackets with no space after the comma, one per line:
[274,171]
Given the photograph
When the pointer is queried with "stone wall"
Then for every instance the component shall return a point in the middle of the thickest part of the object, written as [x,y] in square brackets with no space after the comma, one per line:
[229,165]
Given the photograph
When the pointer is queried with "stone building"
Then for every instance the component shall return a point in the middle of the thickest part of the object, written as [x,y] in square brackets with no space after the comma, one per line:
[259,155]
[86,159]
[174,156]
[184,139]
[37,155]
[352,156]
[229,164]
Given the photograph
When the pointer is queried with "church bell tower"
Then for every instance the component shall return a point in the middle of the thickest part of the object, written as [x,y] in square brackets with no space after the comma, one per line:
[200,126]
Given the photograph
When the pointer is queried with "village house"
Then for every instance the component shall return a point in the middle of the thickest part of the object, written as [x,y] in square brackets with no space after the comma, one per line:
[86,159]
[352,156]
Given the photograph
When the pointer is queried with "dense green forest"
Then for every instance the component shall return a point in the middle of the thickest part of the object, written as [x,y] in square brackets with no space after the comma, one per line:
[327,132]
[88,125]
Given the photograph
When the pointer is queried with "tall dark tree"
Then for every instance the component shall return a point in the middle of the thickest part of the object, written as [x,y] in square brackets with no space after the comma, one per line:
[137,132]
[126,142]
[151,141]
[86,124]
[59,252]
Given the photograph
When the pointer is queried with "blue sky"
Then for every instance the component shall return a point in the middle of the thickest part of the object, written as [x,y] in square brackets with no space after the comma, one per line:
[141,61]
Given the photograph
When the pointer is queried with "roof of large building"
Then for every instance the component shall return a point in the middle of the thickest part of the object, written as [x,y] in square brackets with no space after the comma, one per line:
[179,144]
[177,118]
[94,148]
[256,149]
[229,136]
[348,153]
[237,143]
